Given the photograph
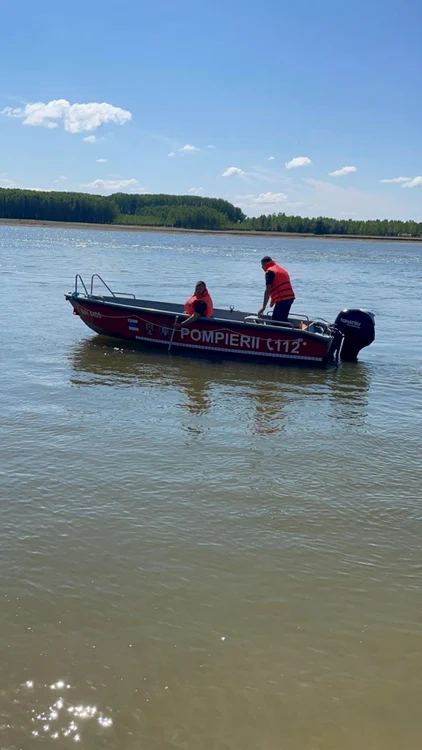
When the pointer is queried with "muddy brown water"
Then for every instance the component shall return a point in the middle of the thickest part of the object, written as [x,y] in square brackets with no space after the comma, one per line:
[208,554]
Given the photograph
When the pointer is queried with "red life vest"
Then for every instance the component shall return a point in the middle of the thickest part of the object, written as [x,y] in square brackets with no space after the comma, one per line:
[281,288]
[204,297]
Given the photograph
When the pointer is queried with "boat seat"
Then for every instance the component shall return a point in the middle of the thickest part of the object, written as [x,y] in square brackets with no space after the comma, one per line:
[268,321]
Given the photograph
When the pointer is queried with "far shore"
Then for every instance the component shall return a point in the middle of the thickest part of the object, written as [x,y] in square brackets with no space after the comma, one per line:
[177,230]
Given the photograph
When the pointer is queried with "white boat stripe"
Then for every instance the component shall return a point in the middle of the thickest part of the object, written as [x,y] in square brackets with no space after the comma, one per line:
[274,355]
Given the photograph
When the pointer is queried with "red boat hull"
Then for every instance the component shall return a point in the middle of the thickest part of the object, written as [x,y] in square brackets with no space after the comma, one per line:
[207,335]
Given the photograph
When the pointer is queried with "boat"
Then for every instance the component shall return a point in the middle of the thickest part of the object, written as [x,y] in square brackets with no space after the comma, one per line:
[228,333]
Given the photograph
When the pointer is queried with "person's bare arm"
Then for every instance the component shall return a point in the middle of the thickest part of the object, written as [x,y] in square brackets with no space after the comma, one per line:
[266,298]
[191,319]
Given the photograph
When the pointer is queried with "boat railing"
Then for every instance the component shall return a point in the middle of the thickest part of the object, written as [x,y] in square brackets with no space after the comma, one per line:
[298,316]
[267,320]
[257,320]
[78,278]
[79,281]
[113,294]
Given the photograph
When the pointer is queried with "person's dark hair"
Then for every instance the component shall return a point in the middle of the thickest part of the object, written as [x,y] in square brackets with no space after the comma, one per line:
[201,282]
[266,259]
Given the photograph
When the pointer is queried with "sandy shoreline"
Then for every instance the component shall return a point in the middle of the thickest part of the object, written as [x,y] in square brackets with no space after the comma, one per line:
[176,230]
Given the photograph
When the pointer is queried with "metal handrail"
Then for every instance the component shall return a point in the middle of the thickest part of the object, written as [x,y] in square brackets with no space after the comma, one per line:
[79,277]
[124,294]
[113,294]
[266,321]
[299,316]
[97,276]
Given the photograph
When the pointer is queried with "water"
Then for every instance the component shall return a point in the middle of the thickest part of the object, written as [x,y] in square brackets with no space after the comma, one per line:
[201,554]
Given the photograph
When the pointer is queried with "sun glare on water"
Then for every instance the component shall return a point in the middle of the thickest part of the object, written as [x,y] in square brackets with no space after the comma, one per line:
[62,718]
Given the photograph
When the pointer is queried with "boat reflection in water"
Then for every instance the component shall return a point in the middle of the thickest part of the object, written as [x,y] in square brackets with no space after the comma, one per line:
[242,398]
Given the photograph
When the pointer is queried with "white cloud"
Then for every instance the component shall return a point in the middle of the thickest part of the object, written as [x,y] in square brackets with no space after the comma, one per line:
[102,161]
[397,179]
[295,204]
[269,198]
[62,177]
[416,182]
[212,145]
[75,118]
[233,172]
[188,147]
[90,139]
[10,112]
[92,115]
[259,175]
[195,191]
[109,186]
[171,153]
[271,158]
[6,183]
[298,161]
[331,199]
[263,203]
[343,171]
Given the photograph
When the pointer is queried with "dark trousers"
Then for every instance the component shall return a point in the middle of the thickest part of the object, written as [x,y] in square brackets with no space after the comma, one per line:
[282,309]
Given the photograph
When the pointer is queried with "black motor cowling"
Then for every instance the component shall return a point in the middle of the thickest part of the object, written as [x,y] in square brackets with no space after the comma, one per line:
[358,329]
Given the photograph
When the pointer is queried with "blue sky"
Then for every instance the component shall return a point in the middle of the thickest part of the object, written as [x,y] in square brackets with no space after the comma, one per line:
[318,86]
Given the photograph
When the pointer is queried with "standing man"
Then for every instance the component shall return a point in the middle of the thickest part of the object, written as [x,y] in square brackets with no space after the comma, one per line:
[278,289]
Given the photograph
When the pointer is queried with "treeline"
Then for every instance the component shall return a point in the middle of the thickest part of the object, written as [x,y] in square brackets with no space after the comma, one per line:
[182,217]
[180,211]
[150,205]
[323,225]
[184,212]
[55,206]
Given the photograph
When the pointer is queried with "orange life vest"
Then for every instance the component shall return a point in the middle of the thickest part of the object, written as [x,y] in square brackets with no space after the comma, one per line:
[204,297]
[281,288]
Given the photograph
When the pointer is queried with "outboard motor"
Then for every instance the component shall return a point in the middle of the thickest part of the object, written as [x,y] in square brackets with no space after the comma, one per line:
[358,329]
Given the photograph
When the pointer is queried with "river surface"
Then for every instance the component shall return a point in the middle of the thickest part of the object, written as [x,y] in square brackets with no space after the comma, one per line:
[208,555]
